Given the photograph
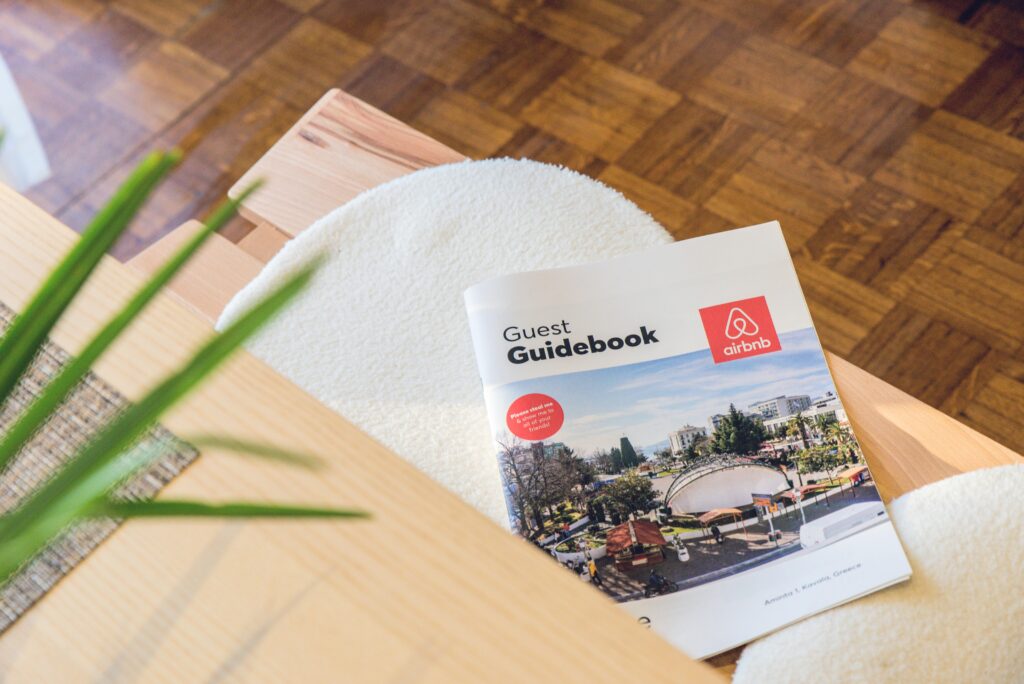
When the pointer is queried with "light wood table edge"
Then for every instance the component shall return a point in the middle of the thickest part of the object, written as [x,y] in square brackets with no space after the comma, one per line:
[178,600]
[339,148]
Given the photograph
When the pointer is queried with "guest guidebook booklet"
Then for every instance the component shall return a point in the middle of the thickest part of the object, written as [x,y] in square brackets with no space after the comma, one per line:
[667,428]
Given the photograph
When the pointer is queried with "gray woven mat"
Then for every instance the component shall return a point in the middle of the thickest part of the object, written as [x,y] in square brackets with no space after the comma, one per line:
[88,407]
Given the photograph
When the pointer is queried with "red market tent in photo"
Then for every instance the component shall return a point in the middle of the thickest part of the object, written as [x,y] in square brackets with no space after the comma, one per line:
[810,490]
[632,532]
[714,514]
[636,544]
[805,491]
[854,474]
[717,513]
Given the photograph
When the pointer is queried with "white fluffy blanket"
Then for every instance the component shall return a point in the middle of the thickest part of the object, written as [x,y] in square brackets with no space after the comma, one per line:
[381,334]
[960,618]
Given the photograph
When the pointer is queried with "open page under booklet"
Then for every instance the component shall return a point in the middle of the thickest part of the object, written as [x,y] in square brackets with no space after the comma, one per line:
[667,428]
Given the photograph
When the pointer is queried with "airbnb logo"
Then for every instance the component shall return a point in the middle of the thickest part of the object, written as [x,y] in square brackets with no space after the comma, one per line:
[736,330]
[740,324]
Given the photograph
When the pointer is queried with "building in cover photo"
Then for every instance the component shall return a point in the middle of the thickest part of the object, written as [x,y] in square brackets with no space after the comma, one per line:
[681,439]
[778,407]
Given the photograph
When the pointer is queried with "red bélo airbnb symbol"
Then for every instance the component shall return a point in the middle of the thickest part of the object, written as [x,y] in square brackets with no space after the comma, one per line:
[534,417]
[740,324]
[736,330]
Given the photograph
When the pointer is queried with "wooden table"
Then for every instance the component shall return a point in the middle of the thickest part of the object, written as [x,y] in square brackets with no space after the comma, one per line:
[428,590]
[397,597]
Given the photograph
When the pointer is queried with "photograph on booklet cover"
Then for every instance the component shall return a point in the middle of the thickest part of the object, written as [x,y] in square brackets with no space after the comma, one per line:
[666,426]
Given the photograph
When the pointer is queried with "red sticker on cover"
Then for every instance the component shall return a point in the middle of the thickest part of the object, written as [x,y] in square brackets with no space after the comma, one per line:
[534,417]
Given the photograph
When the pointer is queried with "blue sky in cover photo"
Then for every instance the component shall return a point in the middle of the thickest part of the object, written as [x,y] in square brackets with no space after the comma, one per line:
[645,401]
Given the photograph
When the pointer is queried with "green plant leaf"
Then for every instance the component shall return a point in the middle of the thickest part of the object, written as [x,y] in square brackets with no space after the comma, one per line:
[25,335]
[164,508]
[57,390]
[260,450]
[67,495]
[74,504]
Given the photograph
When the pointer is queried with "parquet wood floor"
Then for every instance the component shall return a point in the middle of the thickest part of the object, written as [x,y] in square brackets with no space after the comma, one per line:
[887,136]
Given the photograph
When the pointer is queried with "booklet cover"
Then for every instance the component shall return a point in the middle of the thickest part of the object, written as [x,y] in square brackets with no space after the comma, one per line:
[667,428]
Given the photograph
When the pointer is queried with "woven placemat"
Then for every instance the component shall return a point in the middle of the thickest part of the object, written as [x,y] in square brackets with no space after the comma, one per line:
[91,405]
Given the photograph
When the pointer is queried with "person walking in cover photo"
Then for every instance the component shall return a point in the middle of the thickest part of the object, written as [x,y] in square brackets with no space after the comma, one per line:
[595,576]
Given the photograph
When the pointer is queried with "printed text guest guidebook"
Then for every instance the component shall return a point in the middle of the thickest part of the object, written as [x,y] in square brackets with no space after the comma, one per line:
[667,428]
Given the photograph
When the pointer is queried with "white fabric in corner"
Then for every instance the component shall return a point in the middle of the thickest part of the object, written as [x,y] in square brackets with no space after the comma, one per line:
[959,619]
[22,159]
[381,334]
